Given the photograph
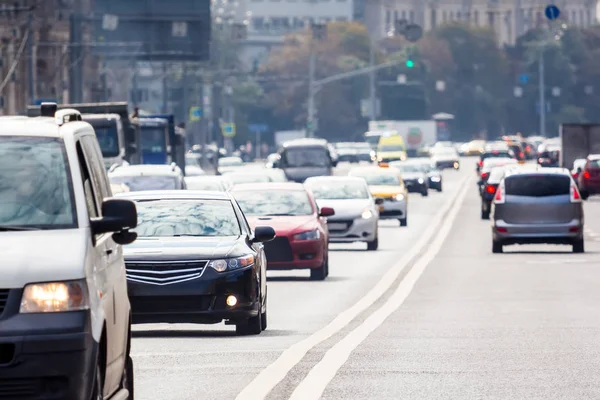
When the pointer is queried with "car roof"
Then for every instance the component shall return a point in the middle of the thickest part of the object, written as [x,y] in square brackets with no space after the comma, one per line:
[594,157]
[537,170]
[146,169]
[269,186]
[176,195]
[305,142]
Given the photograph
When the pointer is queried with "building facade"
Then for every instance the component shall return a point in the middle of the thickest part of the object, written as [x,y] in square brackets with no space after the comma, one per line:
[508,18]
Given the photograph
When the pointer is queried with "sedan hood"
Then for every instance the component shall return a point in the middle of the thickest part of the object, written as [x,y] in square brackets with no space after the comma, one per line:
[42,256]
[301,174]
[346,209]
[284,225]
[185,248]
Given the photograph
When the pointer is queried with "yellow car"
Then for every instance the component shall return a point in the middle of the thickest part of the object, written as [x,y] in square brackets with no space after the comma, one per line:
[386,184]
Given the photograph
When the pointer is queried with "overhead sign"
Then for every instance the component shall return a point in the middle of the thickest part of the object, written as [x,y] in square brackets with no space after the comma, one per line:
[552,12]
[413,32]
[228,129]
[258,128]
[195,114]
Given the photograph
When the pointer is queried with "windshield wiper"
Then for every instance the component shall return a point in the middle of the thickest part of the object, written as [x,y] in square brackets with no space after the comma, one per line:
[9,228]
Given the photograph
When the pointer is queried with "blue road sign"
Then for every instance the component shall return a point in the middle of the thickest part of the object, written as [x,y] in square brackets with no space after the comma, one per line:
[524,78]
[552,12]
[258,128]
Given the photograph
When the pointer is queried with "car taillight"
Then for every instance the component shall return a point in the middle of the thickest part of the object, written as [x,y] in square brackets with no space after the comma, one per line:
[490,189]
[528,149]
[484,175]
[499,197]
[575,196]
[522,155]
[586,175]
[575,175]
[480,163]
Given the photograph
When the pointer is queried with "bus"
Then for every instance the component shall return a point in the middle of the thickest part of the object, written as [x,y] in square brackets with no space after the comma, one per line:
[154,138]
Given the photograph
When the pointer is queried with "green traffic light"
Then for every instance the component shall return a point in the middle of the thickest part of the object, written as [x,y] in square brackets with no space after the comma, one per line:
[410,63]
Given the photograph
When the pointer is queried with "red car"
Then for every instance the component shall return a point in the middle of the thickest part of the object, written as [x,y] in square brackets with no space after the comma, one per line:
[589,180]
[302,235]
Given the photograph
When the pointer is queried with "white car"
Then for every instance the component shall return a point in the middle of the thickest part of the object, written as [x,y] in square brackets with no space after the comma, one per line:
[64,309]
[356,212]
[227,164]
[211,183]
[147,177]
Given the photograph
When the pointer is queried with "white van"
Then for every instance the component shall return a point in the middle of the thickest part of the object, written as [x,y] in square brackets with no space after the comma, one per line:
[64,311]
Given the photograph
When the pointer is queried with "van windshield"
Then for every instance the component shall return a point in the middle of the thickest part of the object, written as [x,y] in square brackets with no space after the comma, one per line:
[391,147]
[154,139]
[35,187]
[108,137]
[306,158]
[538,185]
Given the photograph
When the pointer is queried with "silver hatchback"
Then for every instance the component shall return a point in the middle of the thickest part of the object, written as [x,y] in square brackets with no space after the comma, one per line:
[541,205]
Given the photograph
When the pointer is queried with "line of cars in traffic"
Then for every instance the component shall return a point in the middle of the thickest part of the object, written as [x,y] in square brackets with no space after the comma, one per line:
[528,203]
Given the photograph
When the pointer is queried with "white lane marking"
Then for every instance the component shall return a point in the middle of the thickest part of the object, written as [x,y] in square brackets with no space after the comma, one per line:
[269,377]
[559,261]
[315,383]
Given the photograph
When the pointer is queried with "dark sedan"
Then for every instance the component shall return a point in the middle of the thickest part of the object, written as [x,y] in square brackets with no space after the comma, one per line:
[414,177]
[434,175]
[196,260]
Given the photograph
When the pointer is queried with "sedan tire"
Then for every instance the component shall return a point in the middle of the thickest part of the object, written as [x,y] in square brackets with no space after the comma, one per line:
[319,274]
[439,188]
[373,244]
[403,221]
[425,192]
[252,326]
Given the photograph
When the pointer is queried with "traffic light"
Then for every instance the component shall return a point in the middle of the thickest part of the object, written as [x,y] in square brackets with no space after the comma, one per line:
[410,63]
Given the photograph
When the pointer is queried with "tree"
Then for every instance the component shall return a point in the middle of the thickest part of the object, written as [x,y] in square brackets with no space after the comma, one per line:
[338,104]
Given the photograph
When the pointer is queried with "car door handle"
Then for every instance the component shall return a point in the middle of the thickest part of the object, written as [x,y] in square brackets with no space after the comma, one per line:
[109,252]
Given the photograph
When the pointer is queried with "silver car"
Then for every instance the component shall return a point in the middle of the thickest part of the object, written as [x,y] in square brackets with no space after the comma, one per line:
[541,205]
[356,212]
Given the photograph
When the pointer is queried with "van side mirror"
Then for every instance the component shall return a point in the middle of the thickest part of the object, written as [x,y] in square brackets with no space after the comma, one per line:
[378,201]
[263,234]
[118,216]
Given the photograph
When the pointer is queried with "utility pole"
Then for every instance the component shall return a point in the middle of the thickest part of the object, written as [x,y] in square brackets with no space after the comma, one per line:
[311,93]
[372,76]
[31,67]
[542,94]
[165,89]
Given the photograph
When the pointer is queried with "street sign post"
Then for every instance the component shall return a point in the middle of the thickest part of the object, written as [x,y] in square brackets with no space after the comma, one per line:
[258,129]
[228,129]
[552,12]
[195,114]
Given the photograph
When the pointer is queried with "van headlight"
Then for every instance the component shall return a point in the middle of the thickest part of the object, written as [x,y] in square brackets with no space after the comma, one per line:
[366,214]
[309,235]
[55,297]
[231,264]
[399,197]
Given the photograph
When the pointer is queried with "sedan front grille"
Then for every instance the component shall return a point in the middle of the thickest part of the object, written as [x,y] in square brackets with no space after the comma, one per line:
[3,299]
[339,226]
[279,250]
[162,273]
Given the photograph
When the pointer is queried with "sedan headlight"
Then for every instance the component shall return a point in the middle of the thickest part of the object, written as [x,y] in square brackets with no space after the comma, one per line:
[55,297]
[420,181]
[366,214]
[399,197]
[435,178]
[309,235]
[231,264]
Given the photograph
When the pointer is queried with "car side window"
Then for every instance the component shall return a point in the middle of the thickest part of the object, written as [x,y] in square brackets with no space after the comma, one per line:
[94,156]
[90,198]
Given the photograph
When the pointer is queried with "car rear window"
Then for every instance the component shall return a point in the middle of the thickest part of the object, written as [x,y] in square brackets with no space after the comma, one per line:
[594,164]
[537,185]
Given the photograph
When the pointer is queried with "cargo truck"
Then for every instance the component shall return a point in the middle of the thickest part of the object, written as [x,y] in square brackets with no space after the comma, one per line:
[577,141]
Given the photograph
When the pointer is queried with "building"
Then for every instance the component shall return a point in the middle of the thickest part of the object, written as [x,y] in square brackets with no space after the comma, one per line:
[509,18]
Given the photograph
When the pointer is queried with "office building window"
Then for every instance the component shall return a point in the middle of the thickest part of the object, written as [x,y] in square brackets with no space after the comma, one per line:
[458,16]
[433,18]
[258,23]
[451,16]
[581,18]
[403,13]
[341,19]
[411,16]
[396,15]
[468,18]
[388,20]
[589,17]
[491,19]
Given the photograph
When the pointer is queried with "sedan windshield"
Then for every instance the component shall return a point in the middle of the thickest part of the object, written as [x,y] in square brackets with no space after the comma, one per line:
[274,202]
[148,182]
[35,186]
[329,190]
[159,218]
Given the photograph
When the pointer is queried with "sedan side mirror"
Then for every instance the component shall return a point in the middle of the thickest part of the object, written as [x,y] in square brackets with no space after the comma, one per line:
[263,234]
[326,212]
[118,216]
[379,201]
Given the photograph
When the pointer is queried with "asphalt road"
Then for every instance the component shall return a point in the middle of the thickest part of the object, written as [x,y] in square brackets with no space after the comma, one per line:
[432,314]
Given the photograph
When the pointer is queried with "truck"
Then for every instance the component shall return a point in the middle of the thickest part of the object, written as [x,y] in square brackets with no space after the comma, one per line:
[161,142]
[284,136]
[577,142]
[416,134]
[119,139]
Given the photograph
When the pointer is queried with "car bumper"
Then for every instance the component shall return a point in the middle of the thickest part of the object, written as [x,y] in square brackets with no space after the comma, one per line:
[46,356]
[306,254]
[563,233]
[393,209]
[448,164]
[435,184]
[358,230]
[201,300]
[415,186]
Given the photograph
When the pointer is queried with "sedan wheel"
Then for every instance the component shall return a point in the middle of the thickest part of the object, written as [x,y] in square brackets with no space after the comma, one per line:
[127,378]
[319,274]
